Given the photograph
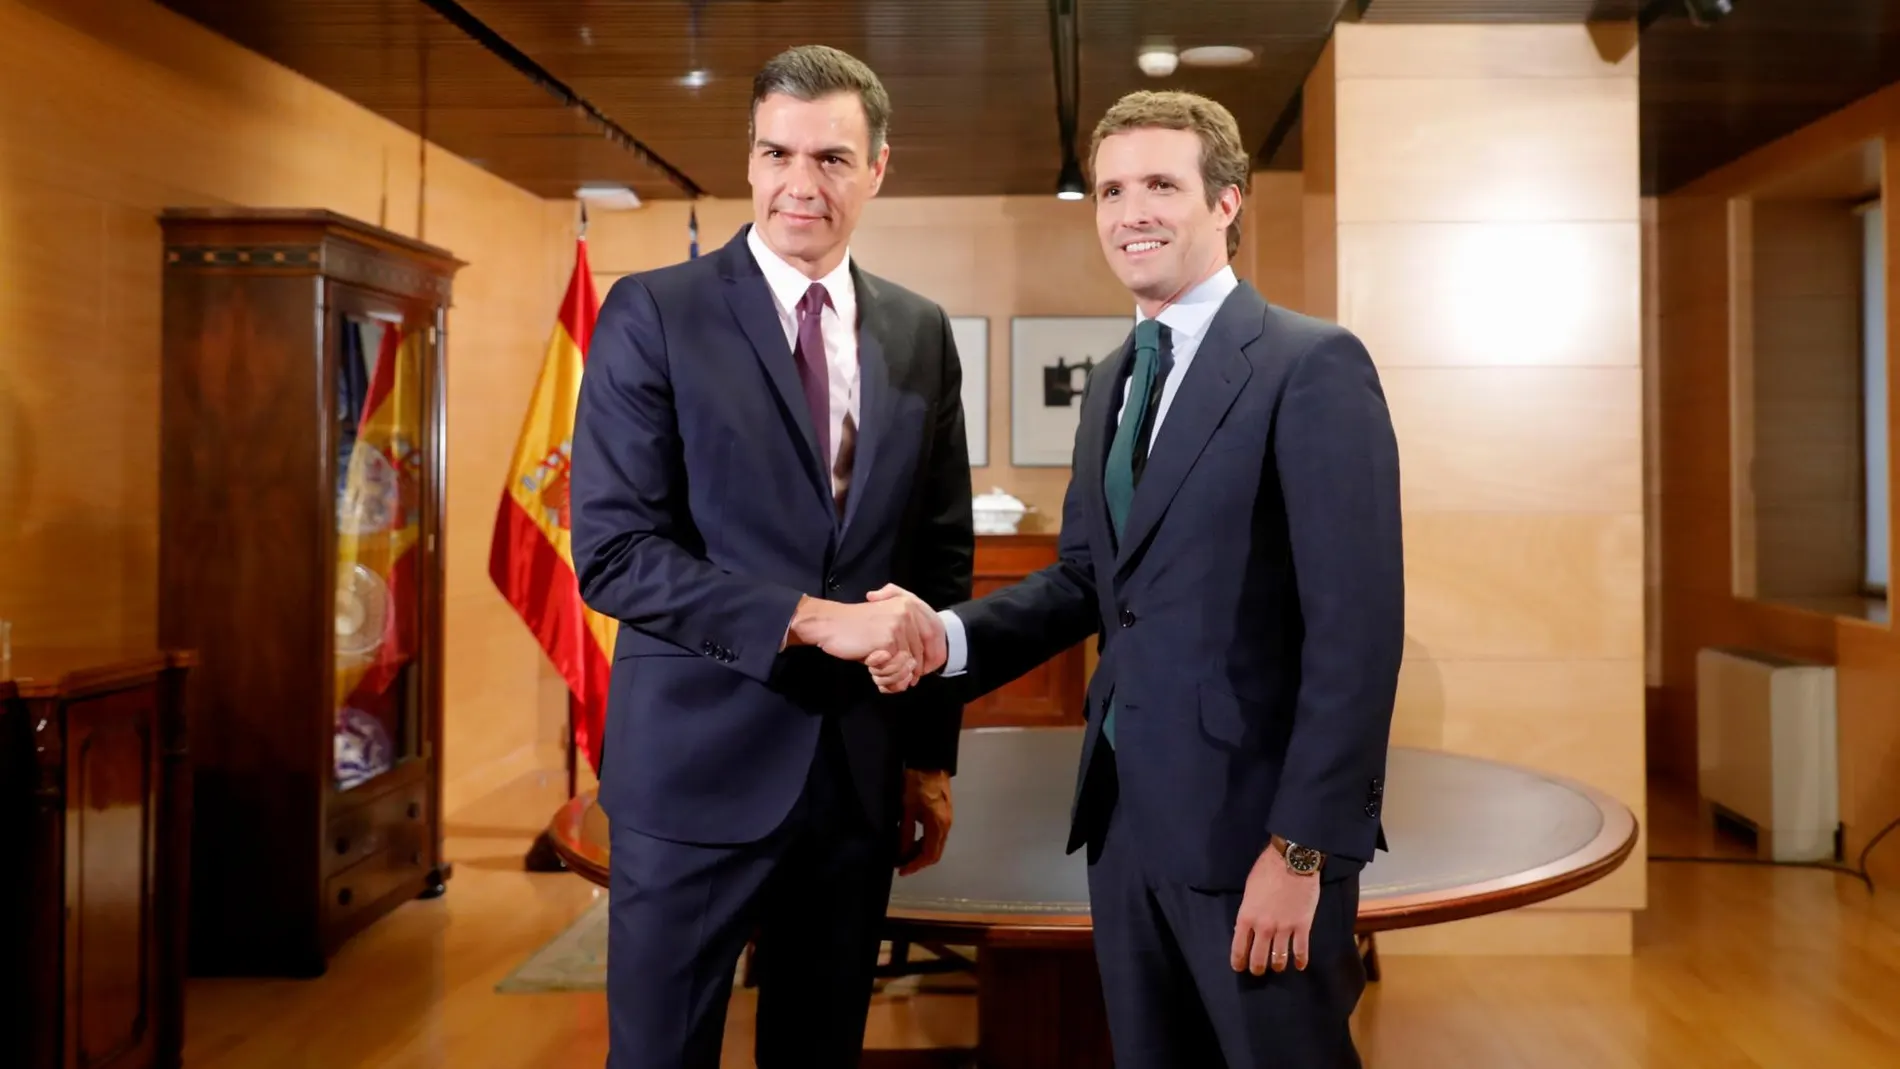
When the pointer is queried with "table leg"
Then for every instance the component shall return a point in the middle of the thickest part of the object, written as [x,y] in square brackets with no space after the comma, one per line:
[1040,1009]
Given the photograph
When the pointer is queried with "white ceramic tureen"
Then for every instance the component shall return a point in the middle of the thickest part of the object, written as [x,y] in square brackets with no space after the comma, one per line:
[997,512]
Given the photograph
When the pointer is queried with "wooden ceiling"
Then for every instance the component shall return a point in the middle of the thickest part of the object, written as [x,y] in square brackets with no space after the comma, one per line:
[972,82]
[1712,93]
[1520,11]
[551,94]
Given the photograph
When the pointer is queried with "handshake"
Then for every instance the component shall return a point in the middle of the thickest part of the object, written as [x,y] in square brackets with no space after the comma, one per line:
[893,632]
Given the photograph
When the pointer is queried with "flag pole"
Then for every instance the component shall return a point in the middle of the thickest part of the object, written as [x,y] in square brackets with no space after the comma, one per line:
[573,749]
[541,464]
[541,856]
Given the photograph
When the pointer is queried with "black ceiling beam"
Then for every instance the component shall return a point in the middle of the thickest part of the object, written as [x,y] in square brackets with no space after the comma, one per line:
[481,34]
[1291,112]
[1283,126]
[1065,54]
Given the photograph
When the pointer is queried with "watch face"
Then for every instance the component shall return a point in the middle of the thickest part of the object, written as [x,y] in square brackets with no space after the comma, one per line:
[1303,858]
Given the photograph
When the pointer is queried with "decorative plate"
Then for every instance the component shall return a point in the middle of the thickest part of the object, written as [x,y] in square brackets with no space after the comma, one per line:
[362,613]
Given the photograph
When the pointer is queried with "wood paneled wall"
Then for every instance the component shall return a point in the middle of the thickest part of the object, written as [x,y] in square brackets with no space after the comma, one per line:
[1709,332]
[1796,413]
[1475,215]
[1475,189]
[115,109]
[118,108]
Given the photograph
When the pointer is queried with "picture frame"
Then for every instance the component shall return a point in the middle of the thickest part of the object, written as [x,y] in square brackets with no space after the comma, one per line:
[972,337]
[1050,358]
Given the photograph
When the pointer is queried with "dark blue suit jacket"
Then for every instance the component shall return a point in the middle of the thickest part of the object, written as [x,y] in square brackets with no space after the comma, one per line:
[702,511]
[1252,618]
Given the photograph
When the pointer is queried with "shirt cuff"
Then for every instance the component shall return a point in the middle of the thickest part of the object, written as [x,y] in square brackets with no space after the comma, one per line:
[956,651]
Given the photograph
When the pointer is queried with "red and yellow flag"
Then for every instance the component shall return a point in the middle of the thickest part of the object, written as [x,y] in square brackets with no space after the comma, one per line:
[531,559]
[379,525]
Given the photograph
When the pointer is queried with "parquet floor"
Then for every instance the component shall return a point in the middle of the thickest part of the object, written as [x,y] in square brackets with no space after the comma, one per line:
[1737,967]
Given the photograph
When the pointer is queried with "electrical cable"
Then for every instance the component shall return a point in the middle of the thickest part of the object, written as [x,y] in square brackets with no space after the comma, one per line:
[1858,870]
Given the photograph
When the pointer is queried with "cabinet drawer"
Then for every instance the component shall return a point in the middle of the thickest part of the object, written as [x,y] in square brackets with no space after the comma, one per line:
[361,888]
[370,829]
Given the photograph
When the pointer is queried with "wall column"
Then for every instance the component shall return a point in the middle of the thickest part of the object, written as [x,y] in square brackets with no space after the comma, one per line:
[1472,212]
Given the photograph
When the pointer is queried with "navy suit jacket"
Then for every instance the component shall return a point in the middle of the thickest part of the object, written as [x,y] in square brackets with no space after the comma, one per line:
[701,512]
[1252,616]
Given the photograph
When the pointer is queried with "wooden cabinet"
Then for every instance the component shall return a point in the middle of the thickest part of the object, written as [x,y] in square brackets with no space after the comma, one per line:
[300,552]
[1053,692]
[94,820]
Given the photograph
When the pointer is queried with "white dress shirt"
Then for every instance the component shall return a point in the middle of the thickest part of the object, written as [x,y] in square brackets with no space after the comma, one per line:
[1187,321]
[840,325]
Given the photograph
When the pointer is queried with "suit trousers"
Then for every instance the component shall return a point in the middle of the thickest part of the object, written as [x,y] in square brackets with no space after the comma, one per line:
[1173,999]
[813,893]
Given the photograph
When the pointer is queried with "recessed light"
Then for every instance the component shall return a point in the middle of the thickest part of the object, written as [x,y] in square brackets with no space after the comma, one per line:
[608,196]
[1217,56]
[1156,62]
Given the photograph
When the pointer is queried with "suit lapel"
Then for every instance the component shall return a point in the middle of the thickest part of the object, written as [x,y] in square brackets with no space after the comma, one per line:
[751,302]
[1098,433]
[878,367]
[1212,382]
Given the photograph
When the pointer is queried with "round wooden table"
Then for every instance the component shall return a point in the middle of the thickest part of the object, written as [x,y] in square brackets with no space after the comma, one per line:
[1468,837]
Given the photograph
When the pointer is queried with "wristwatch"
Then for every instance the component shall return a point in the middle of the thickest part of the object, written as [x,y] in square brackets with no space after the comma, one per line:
[1300,860]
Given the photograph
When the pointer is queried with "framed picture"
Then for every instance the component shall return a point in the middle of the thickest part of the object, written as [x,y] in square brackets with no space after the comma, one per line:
[972,336]
[1050,358]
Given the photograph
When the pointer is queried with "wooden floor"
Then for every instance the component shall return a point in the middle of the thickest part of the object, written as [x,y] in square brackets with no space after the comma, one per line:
[1736,967]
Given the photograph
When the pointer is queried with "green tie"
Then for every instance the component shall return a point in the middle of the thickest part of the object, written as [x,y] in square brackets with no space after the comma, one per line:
[1118,480]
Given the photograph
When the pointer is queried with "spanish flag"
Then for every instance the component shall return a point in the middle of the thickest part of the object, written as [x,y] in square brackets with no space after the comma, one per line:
[380,523]
[531,560]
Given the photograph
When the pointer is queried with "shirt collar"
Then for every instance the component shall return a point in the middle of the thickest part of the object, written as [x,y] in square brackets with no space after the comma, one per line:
[788,283]
[1189,316]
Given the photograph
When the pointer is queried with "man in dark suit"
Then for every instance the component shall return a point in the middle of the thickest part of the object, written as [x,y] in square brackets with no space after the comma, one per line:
[764,436]
[1232,531]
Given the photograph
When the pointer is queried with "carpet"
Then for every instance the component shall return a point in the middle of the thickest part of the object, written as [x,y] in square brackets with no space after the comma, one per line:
[576,960]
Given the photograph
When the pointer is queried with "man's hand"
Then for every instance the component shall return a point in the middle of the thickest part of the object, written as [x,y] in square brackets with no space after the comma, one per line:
[926,811]
[893,671]
[853,632]
[1276,917]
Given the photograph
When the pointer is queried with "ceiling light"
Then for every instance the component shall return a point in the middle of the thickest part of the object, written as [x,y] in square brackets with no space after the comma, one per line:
[608,196]
[1707,12]
[1156,61]
[1069,185]
[1217,56]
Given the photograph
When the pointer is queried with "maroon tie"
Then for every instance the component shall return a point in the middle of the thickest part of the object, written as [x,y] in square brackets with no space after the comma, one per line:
[813,370]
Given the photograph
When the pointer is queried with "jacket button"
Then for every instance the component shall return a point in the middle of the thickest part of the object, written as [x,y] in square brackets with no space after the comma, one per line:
[1128,618]
[831,582]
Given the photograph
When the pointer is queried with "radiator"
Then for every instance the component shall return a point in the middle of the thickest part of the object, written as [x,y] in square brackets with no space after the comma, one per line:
[1767,756]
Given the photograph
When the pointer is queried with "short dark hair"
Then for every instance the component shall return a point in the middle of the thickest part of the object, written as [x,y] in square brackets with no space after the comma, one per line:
[1224,159]
[811,72]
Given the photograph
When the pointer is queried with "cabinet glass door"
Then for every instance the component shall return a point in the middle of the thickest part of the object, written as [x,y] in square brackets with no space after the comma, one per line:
[379,503]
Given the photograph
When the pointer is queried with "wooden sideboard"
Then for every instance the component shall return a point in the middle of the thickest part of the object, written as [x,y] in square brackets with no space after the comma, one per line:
[1052,693]
[94,827]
